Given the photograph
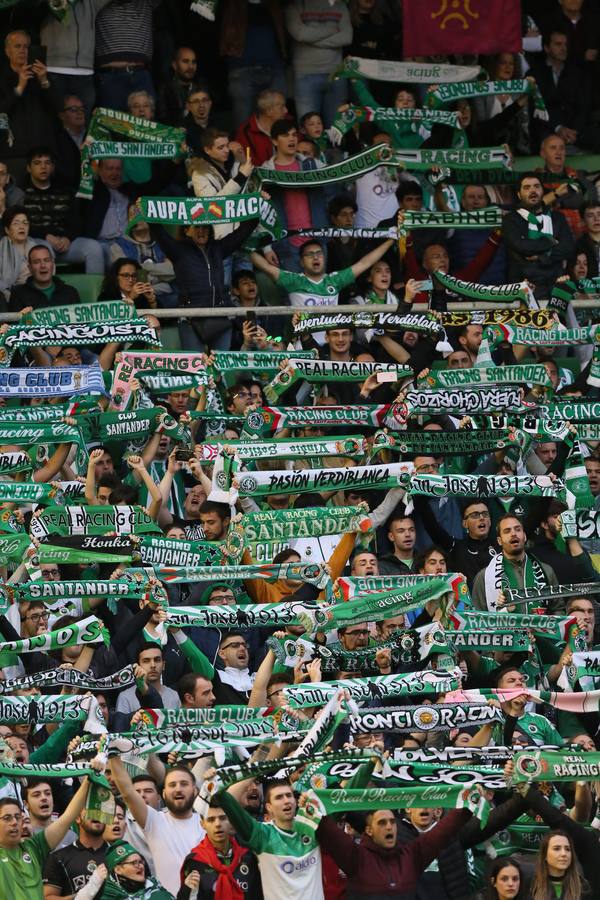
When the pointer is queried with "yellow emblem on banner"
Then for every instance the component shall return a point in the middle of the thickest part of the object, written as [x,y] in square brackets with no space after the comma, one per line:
[455,9]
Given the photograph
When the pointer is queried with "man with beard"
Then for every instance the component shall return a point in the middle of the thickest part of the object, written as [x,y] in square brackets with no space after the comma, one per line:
[67,870]
[537,241]
[572,567]
[221,860]
[172,832]
[511,568]
[471,553]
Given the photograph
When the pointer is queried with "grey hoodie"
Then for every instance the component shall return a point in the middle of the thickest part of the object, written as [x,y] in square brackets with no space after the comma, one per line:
[71,43]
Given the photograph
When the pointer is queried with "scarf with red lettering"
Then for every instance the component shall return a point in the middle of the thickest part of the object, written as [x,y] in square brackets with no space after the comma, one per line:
[226,887]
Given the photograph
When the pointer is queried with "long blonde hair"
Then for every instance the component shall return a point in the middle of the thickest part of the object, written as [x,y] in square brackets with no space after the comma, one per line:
[573,882]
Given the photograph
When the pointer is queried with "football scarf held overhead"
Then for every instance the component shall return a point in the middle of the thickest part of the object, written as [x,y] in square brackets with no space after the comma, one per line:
[22,492]
[92,520]
[72,678]
[307,573]
[583,524]
[438,717]
[379,687]
[488,641]
[484,486]
[125,589]
[355,115]
[460,402]
[59,708]
[560,765]
[463,441]
[557,628]
[63,381]
[15,461]
[489,217]
[449,93]
[351,446]
[409,72]
[134,424]
[269,419]
[287,524]
[423,323]
[160,551]
[85,549]
[249,615]
[256,484]
[383,155]
[407,648]
[130,364]
[518,374]
[314,804]
[261,360]
[324,371]
[540,595]
[85,335]
[88,631]
[473,290]
[217,210]
[348,587]
[531,337]
[80,313]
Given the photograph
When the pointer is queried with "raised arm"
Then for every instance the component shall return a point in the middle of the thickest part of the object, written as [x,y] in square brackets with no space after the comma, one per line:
[259,262]
[55,832]
[136,806]
[371,258]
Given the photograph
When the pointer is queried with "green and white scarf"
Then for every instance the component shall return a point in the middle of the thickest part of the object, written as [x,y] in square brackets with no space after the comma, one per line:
[355,115]
[104,121]
[446,94]
[383,155]
[133,424]
[315,804]
[15,461]
[22,492]
[216,715]
[257,484]
[350,446]
[125,589]
[490,217]
[531,337]
[307,573]
[120,331]
[249,615]
[348,587]
[326,370]
[269,419]
[541,595]
[474,291]
[379,687]
[404,72]
[560,765]
[87,631]
[257,360]
[287,524]
[557,628]
[538,226]
[217,210]
[59,708]
[491,641]
[484,486]
[424,323]
[525,373]
[463,441]
[72,678]
[407,647]
[499,576]
[41,434]
[80,313]
[583,524]
[161,551]
[92,520]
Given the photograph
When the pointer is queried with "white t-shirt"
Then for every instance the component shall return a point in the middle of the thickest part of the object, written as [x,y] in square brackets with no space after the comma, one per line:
[376,197]
[170,840]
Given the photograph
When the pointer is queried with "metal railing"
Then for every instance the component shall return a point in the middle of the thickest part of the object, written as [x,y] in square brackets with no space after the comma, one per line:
[187,312]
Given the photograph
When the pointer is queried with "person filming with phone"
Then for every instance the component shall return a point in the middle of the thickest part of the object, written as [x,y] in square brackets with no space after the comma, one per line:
[27,99]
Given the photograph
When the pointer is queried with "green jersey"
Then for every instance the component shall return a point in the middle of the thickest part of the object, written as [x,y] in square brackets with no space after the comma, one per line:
[537,727]
[289,861]
[304,291]
[21,868]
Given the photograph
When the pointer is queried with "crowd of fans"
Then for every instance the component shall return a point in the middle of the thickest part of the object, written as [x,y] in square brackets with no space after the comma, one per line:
[238,552]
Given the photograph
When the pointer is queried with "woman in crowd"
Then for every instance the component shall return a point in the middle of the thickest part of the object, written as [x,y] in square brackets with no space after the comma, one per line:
[124,281]
[14,248]
[557,872]
[505,880]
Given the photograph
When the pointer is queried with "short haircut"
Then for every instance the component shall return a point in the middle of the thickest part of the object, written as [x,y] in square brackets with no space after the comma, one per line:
[11,213]
[593,204]
[281,127]
[210,135]
[309,115]
[187,683]
[340,202]
[408,189]
[501,671]
[524,176]
[148,645]
[547,35]
[279,678]
[39,247]
[134,94]
[40,150]
[9,801]
[284,555]
[241,275]
[310,243]
[145,777]
[230,634]
[33,783]
[179,768]
[503,519]
[221,509]
[266,99]
[273,785]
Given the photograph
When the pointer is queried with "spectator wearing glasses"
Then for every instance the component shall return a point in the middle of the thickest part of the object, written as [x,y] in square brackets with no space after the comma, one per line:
[69,141]
[125,280]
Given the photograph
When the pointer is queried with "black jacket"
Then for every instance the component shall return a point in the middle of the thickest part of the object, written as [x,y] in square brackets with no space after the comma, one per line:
[32,116]
[567,102]
[549,252]
[29,295]
[199,271]
[95,210]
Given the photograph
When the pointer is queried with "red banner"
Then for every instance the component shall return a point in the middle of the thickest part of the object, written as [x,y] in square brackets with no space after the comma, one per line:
[434,27]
